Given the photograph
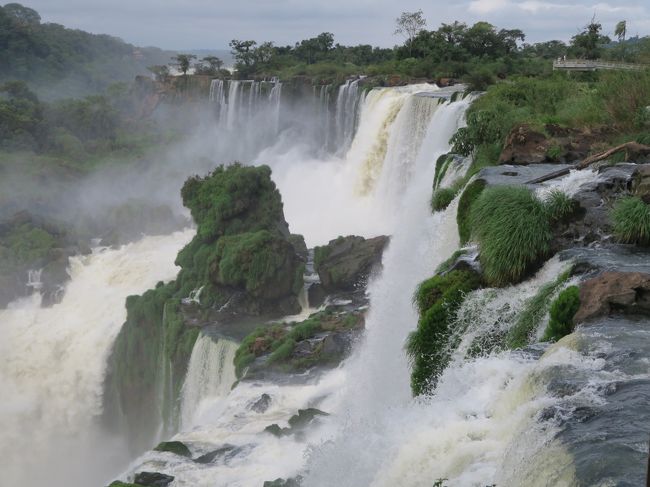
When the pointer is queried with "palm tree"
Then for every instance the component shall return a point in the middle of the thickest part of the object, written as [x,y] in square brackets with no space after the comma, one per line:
[621,31]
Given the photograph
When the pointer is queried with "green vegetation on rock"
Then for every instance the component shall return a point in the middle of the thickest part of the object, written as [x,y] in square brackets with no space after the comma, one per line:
[441,198]
[437,300]
[513,230]
[471,192]
[631,218]
[563,309]
[175,447]
[533,313]
[241,249]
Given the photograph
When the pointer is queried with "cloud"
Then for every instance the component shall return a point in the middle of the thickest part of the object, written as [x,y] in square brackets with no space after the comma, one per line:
[186,24]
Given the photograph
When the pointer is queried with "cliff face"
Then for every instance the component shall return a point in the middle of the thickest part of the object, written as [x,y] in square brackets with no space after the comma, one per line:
[240,265]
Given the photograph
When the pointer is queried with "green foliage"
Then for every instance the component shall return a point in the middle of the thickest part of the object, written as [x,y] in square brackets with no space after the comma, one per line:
[559,206]
[563,309]
[255,260]
[446,265]
[441,198]
[531,316]
[513,230]
[442,164]
[27,244]
[175,447]
[631,218]
[467,199]
[428,347]
[233,199]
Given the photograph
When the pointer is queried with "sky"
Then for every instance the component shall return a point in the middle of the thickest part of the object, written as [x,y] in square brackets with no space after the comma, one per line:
[211,24]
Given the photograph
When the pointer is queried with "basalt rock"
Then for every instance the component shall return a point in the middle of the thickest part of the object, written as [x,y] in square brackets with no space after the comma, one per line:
[344,264]
[641,182]
[614,292]
[175,447]
[153,479]
[524,146]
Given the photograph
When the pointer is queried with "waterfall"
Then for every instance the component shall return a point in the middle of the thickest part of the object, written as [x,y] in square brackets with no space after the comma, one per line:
[347,103]
[53,365]
[210,375]
[34,279]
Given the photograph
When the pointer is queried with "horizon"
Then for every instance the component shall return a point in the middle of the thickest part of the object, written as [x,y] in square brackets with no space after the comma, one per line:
[196,26]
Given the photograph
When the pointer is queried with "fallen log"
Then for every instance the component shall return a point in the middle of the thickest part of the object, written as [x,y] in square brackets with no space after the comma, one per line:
[628,147]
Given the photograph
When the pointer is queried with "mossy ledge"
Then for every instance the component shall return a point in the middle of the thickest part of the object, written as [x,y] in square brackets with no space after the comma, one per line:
[437,299]
[241,263]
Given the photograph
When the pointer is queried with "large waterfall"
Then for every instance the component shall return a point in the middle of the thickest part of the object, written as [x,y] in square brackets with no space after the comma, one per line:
[53,365]
[493,419]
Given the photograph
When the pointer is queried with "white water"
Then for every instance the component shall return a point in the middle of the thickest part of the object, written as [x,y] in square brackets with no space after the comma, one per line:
[53,365]
[210,376]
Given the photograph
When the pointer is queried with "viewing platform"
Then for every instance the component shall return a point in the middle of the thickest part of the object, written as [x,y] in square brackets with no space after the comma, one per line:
[591,65]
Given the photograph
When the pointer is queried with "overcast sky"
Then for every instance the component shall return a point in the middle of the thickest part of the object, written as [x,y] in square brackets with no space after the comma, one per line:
[193,24]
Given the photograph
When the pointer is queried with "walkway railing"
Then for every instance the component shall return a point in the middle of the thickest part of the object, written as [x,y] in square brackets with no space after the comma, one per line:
[588,65]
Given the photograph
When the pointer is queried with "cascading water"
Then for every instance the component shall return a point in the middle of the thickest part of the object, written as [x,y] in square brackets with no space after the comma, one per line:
[347,103]
[54,360]
[210,376]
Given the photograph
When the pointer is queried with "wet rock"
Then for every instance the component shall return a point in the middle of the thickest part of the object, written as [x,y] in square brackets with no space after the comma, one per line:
[641,182]
[316,295]
[297,422]
[175,447]
[610,292]
[345,263]
[153,479]
[262,404]
[213,455]
[280,482]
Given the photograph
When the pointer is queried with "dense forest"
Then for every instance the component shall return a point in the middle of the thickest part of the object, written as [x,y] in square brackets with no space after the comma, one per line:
[58,62]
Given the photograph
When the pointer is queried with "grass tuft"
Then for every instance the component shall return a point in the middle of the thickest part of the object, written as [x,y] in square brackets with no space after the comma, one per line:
[513,230]
[563,310]
[631,217]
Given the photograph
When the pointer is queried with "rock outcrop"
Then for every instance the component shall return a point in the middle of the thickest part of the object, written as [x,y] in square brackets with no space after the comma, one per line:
[344,264]
[614,292]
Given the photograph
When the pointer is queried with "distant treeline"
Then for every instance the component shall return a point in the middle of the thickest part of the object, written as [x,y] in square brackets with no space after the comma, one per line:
[58,62]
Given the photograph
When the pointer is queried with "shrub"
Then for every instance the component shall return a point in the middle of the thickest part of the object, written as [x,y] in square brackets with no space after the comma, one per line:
[513,230]
[441,198]
[428,347]
[563,310]
[559,206]
[631,217]
[470,194]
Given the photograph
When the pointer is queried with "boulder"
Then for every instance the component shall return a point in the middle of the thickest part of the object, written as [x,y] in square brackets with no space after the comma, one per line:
[344,264]
[213,455]
[641,182]
[610,292]
[153,479]
[262,404]
[175,447]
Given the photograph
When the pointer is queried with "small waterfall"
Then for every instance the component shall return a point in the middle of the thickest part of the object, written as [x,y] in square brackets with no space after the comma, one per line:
[210,376]
[234,91]
[347,105]
[275,97]
[218,97]
[34,279]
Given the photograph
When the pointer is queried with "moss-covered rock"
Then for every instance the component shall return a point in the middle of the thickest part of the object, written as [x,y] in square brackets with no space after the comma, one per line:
[345,263]
[441,198]
[471,192]
[176,447]
[429,347]
[241,263]
[323,339]
[297,422]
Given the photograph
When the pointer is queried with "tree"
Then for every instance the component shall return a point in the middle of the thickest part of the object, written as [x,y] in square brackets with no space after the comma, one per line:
[183,62]
[160,72]
[621,30]
[409,24]
[214,62]
[22,15]
[587,44]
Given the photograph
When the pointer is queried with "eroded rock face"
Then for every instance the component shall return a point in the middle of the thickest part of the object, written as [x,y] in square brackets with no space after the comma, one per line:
[345,264]
[610,292]
[524,146]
